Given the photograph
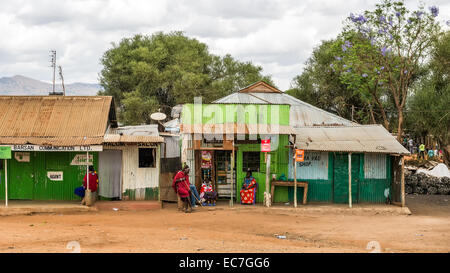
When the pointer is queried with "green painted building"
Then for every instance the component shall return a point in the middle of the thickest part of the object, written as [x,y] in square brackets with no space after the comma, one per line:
[53,139]
[239,121]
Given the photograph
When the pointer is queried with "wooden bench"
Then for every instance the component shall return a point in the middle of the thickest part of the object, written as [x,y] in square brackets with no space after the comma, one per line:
[290,184]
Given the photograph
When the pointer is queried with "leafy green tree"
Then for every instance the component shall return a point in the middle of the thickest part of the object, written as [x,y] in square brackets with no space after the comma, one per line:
[354,63]
[229,75]
[386,47]
[320,85]
[429,105]
[145,74]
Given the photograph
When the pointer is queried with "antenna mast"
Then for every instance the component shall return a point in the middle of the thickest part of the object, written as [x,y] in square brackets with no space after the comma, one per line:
[62,80]
[53,61]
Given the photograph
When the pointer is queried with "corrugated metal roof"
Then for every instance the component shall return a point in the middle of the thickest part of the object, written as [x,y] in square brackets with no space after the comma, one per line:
[137,130]
[134,134]
[54,120]
[301,113]
[115,138]
[235,128]
[360,138]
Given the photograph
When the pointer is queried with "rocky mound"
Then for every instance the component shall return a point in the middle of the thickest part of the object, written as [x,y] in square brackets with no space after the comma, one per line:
[421,183]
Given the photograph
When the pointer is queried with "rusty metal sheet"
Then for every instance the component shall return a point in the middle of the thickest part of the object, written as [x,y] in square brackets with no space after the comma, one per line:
[360,138]
[54,120]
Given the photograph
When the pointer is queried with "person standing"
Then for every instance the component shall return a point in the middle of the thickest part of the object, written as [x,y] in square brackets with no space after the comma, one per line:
[422,151]
[181,186]
[411,146]
[93,183]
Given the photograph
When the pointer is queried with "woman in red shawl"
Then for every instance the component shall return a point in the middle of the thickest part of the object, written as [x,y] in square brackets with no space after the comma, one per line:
[181,186]
[248,191]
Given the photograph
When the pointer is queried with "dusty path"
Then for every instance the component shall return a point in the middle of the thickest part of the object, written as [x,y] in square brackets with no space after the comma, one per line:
[223,230]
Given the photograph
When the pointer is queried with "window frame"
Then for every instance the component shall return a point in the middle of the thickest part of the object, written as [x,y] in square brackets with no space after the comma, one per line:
[255,158]
[153,153]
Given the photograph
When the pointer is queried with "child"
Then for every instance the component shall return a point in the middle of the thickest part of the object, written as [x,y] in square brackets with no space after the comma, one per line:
[207,195]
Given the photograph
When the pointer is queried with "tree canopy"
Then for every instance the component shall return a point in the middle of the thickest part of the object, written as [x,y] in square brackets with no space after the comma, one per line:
[429,111]
[146,74]
[322,87]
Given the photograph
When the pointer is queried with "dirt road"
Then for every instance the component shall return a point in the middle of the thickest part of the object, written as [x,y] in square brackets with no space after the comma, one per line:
[237,230]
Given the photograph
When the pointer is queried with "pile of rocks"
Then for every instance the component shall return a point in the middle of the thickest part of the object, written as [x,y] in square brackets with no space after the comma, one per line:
[421,183]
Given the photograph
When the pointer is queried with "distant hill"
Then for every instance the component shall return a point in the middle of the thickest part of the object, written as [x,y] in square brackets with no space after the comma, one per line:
[21,85]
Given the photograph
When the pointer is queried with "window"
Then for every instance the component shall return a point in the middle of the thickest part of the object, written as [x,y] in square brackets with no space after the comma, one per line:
[250,160]
[147,157]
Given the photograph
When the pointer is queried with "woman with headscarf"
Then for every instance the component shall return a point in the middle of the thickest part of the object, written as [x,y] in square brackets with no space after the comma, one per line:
[248,190]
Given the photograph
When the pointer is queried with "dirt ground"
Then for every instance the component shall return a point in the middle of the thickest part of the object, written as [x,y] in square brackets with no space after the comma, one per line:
[233,230]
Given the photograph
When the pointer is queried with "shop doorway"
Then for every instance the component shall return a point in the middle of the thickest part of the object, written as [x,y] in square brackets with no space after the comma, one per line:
[340,187]
[110,174]
[216,166]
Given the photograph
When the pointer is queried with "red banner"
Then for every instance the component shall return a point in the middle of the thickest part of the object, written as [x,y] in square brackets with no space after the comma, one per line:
[265,145]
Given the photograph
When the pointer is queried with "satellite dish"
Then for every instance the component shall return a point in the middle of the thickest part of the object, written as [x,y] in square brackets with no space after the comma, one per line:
[158,116]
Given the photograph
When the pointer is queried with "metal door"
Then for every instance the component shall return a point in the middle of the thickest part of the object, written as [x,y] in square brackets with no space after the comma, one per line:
[110,174]
[340,188]
[21,177]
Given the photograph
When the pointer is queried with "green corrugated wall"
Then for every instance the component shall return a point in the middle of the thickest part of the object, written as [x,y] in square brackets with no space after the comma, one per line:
[372,190]
[279,164]
[43,188]
[369,190]
[224,113]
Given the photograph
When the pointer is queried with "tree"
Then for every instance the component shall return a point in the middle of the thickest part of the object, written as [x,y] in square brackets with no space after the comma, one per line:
[429,105]
[390,44]
[229,75]
[354,63]
[145,74]
[320,85]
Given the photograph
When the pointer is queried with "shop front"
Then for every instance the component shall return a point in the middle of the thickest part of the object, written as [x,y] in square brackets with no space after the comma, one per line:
[37,172]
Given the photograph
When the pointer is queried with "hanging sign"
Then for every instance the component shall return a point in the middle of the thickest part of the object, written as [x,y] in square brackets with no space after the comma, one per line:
[39,148]
[206,159]
[5,152]
[265,145]
[299,155]
[22,156]
[80,160]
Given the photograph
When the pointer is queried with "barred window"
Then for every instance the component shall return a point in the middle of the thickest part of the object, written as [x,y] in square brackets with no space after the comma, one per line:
[251,160]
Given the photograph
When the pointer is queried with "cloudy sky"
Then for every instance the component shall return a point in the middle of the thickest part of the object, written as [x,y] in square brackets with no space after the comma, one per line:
[279,35]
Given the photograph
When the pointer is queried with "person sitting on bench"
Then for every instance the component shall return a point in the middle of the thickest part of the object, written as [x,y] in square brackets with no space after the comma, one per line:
[207,195]
[248,190]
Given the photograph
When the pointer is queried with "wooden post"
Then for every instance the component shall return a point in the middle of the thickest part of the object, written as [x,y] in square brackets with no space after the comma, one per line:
[403,181]
[87,169]
[232,176]
[350,180]
[6,183]
[295,180]
[267,195]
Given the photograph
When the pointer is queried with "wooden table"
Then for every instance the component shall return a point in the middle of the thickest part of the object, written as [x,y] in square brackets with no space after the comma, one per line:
[291,184]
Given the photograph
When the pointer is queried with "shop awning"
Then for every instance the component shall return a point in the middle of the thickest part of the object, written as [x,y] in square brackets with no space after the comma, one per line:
[358,138]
